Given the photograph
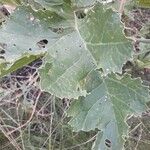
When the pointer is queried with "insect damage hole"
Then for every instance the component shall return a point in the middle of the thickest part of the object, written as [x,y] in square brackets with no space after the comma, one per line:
[2,57]
[80,14]
[59,30]
[108,143]
[42,43]
[4,11]
[2,51]
[3,47]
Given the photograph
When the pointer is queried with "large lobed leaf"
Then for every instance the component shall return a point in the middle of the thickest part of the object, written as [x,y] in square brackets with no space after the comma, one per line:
[74,46]
[77,45]
[102,33]
[109,100]
[97,42]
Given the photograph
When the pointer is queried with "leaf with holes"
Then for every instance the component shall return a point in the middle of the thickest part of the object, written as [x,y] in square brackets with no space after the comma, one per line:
[74,45]
[97,42]
[77,39]
[104,38]
[109,101]
[20,34]
[67,65]
[61,7]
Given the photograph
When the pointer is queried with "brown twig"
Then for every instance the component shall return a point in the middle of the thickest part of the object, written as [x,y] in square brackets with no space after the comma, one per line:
[29,120]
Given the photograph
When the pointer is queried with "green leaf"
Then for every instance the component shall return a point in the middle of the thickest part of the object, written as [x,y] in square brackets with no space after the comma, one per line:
[107,105]
[144,3]
[144,47]
[144,56]
[49,3]
[104,38]
[81,51]
[61,7]
[75,47]
[85,3]
[67,65]
[12,2]
[21,35]
[90,3]
[24,32]
[145,31]
[5,70]
[78,3]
